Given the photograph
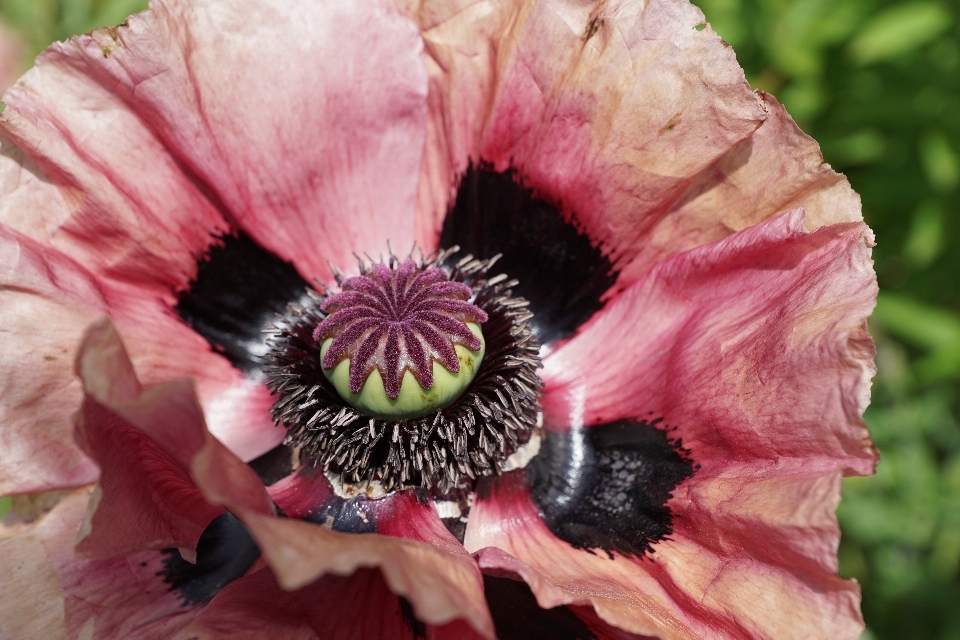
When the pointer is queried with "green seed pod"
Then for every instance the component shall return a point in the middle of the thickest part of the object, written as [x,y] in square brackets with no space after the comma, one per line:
[413,400]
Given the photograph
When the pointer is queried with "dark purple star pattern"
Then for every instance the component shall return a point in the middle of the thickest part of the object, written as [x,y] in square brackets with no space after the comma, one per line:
[396,320]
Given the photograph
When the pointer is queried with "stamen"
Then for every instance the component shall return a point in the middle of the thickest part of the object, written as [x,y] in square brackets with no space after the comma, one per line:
[448,446]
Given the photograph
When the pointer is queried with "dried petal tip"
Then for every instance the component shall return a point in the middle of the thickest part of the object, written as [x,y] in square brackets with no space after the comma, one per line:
[401,341]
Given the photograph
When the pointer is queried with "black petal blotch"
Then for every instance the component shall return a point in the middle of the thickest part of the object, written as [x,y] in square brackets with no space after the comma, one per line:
[224,553]
[560,271]
[606,486]
[239,289]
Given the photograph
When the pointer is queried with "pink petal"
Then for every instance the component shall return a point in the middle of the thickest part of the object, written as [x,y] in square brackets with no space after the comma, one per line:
[603,630]
[611,111]
[31,600]
[776,169]
[170,415]
[114,198]
[39,390]
[440,585]
[303,494]
[685,589]
[147,443]
[63,596]
[754,348]
[754,351]
[311,142]
[144,499]
[334,608]
[405,516]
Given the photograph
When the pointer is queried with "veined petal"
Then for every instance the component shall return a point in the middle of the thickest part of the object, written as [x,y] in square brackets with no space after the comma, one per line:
[441,586]
[684,590]
[147,443]
[777,169]
[314,161]
[257,607]
[144,498]
[611,111]
[89,178]
[754,347]
[117,598]
[39,391]
[172,417]
[31,599]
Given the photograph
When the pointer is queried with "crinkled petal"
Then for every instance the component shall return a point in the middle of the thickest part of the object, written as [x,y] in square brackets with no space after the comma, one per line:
[31,600]
[777,169]
[144,498]
[754,348]
[39,390]
[311,141]
[146,445]
[686,589]
[39,275]
[74,598]
[612,110]
[754,352]
[170,415]
[441,586]
[110,195]
[334,608]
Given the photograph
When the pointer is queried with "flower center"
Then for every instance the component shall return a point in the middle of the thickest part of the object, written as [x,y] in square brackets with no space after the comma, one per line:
[401,341]
[392,380]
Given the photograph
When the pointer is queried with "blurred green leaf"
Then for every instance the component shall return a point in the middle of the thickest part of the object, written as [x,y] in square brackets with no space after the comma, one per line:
[935,330]
[803,99]
[946,54]
[724,19]
[115,12]
[918,323]
[939,161]
[899,29]
[5,503]
[926,238]
[861,147]
[74,17]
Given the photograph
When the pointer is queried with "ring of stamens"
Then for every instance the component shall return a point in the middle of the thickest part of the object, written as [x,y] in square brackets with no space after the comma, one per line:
[470,438]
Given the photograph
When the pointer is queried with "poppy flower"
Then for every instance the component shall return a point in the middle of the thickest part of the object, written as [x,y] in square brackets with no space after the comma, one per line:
[671,286]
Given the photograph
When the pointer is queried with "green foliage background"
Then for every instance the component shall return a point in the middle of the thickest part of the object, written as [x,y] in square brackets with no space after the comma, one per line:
[877,83]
